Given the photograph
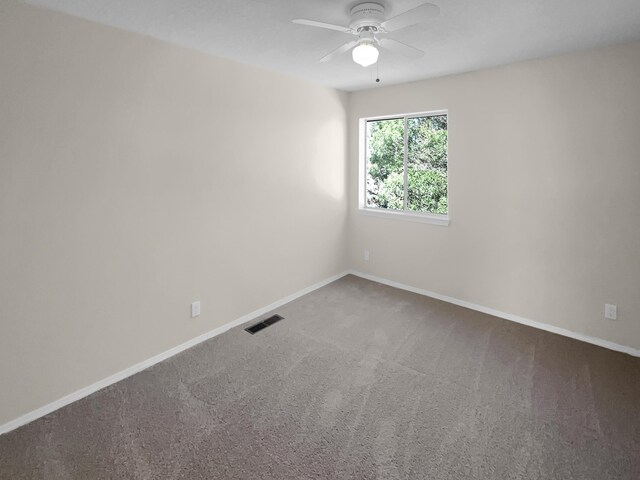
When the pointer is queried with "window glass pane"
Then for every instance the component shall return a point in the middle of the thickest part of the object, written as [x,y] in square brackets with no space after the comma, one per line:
[427,164]
[385,164]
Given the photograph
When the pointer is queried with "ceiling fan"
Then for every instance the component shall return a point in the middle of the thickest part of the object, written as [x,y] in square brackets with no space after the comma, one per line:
[369,25]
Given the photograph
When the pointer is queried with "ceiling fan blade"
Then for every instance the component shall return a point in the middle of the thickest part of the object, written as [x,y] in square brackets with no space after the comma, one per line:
[402,48]
[313,23]
[341,49]
[411,17]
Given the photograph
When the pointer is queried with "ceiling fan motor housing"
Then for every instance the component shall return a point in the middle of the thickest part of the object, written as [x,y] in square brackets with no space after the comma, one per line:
[367,16]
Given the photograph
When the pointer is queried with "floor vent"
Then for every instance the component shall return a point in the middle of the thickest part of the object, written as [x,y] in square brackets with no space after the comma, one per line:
[263,324]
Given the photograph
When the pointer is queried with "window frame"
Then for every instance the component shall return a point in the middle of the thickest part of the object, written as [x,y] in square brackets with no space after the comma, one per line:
[426,217]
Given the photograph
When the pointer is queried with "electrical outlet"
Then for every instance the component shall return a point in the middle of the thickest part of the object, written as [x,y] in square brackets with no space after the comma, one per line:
[195,309]
[610,311]
[366,255]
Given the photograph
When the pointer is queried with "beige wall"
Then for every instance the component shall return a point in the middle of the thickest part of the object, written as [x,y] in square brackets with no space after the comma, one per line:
[544,165]
[136,177]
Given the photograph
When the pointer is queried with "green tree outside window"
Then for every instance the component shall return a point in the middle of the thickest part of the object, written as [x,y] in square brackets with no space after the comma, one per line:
[426,164]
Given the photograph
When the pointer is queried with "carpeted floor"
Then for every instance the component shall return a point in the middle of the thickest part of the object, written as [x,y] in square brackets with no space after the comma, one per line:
[360,381]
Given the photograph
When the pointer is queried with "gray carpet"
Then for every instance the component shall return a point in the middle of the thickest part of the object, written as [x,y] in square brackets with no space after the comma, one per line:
[360,381]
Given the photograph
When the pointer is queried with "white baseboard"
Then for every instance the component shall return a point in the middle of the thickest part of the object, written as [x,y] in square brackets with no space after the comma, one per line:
[507,316]
[86,391]
[127,372]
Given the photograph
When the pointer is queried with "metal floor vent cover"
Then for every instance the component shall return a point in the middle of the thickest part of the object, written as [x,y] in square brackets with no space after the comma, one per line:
[262,324]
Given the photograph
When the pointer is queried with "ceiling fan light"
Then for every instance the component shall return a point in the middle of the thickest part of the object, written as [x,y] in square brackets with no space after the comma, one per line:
[365,54]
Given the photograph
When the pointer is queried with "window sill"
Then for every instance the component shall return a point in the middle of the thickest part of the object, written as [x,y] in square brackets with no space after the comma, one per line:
[411,217]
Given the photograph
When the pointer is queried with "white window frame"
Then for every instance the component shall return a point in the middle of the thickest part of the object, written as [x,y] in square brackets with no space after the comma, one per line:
[433,218]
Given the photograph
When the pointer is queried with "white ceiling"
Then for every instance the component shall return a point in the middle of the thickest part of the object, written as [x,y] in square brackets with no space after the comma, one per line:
[468,35]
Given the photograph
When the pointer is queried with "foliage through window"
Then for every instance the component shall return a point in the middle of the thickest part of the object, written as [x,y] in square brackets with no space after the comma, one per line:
[406,164]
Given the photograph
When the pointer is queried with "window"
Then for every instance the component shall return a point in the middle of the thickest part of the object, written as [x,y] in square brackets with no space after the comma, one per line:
[404,169]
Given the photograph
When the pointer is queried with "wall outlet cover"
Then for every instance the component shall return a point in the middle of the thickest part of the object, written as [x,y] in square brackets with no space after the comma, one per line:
[195,309]
[610,311]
